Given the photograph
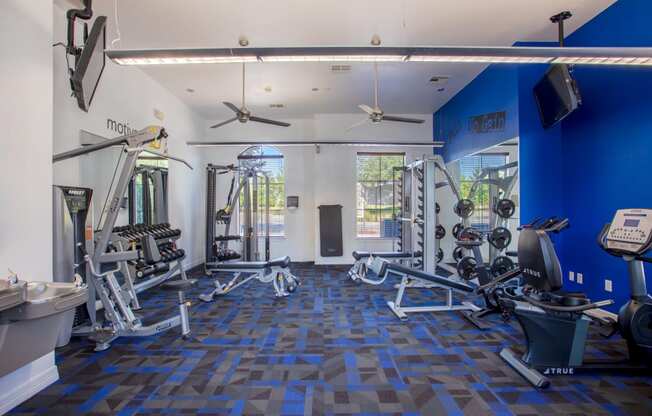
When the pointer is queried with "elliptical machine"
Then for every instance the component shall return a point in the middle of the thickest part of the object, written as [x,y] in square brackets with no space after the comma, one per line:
[629,236]
[556,324]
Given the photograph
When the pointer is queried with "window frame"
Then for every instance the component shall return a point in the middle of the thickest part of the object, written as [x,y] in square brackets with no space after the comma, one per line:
[242,156]
[381,182]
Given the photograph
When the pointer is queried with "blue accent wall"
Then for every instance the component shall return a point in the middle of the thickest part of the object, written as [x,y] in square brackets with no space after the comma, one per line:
[607,147]
[495,89]
[597,160]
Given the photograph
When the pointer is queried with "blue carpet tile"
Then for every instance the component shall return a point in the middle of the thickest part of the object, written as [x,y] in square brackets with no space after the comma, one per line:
[332,348]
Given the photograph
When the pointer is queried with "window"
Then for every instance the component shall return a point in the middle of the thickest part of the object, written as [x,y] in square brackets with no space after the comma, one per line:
[470,168]
[375,193]
[271,162]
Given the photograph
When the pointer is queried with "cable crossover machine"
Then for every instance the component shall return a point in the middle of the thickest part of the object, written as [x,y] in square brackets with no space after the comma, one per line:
[248,263]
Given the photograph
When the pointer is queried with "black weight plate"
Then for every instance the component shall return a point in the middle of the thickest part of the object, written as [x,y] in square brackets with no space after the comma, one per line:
[500,237]
[440,232]
[501,265]
[440,255]
[458,253]
[469,234]
[466,268]
[464,208]
[457,228]
[504,208]
[437,208]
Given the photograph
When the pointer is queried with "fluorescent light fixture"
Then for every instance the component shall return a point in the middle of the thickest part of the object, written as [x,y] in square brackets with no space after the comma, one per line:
[445,54]
[481,59]
[186,60]
[334,58]
[629,61]
[292,143]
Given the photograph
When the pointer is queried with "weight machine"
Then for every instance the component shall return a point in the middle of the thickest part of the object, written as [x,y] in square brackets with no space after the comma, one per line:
[245,183]
[244,193]
[418,229]
[116,245]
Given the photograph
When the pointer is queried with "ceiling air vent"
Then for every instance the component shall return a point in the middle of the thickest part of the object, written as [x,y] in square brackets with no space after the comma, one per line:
[438,80]
[277,106]
[340,69]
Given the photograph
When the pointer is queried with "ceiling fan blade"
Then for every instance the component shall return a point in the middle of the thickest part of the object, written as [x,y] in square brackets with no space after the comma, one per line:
[358,124]
[403,119]
[268,121]
[231,106]
[366,109]
[224,122]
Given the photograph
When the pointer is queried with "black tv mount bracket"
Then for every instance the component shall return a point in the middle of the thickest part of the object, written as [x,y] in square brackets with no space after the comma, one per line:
[559,19]
[84,14]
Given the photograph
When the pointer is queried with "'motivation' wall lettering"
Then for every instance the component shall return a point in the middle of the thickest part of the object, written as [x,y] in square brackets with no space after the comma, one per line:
[120,128]
[488,123]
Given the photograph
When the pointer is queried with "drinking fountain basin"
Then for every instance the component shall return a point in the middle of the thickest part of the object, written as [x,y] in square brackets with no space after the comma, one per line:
[30,329]
[12,293]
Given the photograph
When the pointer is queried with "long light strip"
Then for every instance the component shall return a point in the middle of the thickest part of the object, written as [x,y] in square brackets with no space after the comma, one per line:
[291,143]
[334,58]
[186,60]
[485,55]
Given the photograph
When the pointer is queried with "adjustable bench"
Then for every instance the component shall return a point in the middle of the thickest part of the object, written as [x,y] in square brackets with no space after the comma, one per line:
[408,278]
[276,271]
[358,272]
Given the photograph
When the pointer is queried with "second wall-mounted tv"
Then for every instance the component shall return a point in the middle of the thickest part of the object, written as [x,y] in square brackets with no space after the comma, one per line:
[556,95]
[90,65]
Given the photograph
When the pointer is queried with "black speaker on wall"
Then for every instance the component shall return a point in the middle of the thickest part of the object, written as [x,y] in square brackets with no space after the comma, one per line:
[330,230]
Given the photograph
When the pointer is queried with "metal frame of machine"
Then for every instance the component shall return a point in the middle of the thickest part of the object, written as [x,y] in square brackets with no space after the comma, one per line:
[116,300]
[247,175]
[247,179]
[418,222]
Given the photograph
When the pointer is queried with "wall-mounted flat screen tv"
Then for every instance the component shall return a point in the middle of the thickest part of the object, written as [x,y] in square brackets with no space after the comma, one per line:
[90,65]
[556,95]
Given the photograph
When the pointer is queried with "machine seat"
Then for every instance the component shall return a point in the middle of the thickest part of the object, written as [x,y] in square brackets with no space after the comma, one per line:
[283,262]
[358,255]
[443,281]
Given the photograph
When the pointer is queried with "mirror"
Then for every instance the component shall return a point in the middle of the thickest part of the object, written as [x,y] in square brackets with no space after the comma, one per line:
[146,199]
[490,180]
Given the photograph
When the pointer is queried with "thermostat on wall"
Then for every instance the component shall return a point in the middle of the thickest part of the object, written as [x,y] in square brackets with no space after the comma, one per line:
[292,202]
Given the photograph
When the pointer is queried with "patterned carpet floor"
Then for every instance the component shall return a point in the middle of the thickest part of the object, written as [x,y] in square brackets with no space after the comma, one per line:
[332,348]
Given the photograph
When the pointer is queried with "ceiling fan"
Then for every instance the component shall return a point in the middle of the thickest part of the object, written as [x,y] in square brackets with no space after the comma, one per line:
[242,114]
[376,115]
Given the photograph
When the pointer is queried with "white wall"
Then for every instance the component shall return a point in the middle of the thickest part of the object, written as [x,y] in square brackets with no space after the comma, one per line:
[324,178]
[26,163]
[128,95]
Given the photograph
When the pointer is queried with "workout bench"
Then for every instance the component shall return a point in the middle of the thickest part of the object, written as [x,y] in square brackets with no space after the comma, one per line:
[276,271]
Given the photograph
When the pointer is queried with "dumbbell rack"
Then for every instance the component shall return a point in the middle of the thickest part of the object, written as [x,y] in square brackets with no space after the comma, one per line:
[139,276]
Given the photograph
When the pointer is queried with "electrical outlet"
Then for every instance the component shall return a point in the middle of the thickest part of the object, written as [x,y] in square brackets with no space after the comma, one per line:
[608,285]
[571,276]
[580,278]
